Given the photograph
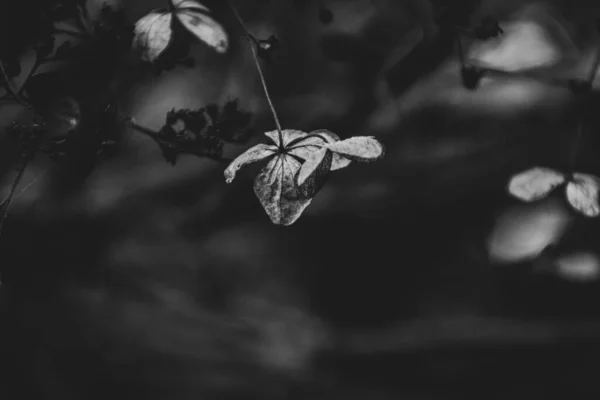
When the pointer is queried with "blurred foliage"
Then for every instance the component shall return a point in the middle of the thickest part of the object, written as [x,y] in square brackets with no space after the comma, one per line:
[403,279]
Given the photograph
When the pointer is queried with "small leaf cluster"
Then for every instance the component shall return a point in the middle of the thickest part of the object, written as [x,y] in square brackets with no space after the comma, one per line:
[204,131]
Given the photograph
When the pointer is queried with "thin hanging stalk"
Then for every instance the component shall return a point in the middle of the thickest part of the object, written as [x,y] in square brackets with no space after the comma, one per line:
[249,37]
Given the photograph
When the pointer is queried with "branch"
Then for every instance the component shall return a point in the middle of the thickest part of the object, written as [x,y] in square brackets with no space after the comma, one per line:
[8,201]
[132,123]
[12,90]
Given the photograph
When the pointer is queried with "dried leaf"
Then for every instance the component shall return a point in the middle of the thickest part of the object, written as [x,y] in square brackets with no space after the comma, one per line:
[582,193]
[359,148]
[257,153]
[194,19]
[338,161]
[535,183]
[275,188]
[153,34]
[313,172]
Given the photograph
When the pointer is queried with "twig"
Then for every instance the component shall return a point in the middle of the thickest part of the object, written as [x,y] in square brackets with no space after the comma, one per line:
[6,203]
[12,90]
[25,188]
[249,37]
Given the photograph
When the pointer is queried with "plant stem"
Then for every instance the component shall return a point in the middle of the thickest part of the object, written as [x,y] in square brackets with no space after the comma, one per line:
[249,37]
[12,90]
[6,203]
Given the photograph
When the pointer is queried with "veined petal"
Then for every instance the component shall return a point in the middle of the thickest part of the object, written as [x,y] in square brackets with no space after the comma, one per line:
[582,194]
[359,148]
[253,154]
[287,134]
[275,188]
[535,183]
[302,147]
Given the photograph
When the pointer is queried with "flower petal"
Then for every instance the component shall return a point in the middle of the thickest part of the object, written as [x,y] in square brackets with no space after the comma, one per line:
[287,134]
[313,173]
[582,194]
[275,188]
[152,35]
[302,147]
[253,154]
[203,27]
[359,148]
[535,183]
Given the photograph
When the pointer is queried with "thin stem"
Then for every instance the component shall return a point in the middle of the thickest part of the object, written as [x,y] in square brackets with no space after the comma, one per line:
[6,203]
[249,37]
[10,88]
[71,33]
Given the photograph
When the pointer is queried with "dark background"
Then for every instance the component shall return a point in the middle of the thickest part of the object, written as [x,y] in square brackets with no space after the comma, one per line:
[412,277]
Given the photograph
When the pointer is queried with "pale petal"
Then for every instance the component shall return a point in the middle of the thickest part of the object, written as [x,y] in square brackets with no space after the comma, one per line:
[535,183]
[582,194]
[359,148]
[152,35]
[313,172]
[189,4]
[253,154]
[204,27]
[275,188]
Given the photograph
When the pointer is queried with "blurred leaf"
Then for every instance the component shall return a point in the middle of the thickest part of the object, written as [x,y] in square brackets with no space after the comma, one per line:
[535,183]
[194,17]
[582,193]
[578,267]
[152,35]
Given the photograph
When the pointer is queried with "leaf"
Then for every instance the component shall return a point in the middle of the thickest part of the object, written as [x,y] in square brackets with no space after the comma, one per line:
[275,188]
[338,161]
[582,193]
[313,173]
[254,154]
[579,267]
[152,35]
[304,146]
[359,148]
[184,4]
[535,183]
[194,19]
